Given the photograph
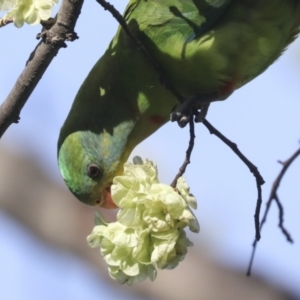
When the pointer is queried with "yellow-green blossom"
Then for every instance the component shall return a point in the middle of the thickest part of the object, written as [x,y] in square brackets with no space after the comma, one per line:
[28,11]
[150,225]
[125,250]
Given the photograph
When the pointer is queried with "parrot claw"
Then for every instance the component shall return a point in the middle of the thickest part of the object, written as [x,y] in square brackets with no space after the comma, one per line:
[185,111]
[184,120]
[181,119]
[199,118]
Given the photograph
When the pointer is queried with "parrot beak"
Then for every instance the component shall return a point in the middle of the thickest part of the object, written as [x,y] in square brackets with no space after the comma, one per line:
[107,201]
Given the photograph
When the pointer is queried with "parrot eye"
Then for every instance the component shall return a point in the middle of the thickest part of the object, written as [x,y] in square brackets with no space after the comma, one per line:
[93,171]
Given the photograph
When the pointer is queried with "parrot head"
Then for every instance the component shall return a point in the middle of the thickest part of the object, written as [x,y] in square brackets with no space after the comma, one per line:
[88,163]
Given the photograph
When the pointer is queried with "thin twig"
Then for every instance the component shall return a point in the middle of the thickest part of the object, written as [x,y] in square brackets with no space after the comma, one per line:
[4,22]
[38,62]
[274,196]
[188,153]
[281,220]
[253,169]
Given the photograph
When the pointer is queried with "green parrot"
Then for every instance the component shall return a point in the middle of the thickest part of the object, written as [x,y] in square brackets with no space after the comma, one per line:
[206,48]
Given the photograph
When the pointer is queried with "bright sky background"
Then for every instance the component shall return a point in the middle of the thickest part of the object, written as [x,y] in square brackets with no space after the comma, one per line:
[262,118]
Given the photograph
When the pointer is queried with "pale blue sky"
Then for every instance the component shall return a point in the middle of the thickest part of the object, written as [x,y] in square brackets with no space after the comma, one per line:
[262,118]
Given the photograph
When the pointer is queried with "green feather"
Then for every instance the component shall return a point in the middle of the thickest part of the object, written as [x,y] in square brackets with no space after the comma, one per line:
[203,46]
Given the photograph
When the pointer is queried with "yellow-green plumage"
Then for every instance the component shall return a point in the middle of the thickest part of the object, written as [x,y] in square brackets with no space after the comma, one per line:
[204,47]
[244,41]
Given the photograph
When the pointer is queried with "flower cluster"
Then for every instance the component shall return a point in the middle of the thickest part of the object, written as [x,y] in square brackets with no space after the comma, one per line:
[27,11]
[149,231]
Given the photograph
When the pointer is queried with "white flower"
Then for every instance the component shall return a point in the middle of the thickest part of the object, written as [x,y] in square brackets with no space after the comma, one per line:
[28,11]
[150,225]
[125,250]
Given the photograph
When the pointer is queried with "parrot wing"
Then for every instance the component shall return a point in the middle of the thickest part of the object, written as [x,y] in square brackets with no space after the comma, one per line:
[189,17]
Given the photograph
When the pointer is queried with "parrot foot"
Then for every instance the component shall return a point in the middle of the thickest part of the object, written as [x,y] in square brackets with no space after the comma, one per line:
[201,115]
[185,111]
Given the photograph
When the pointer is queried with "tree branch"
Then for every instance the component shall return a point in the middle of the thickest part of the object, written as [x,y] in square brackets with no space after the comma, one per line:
[253,169]
[274,196]
[39,60]
[188,153]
